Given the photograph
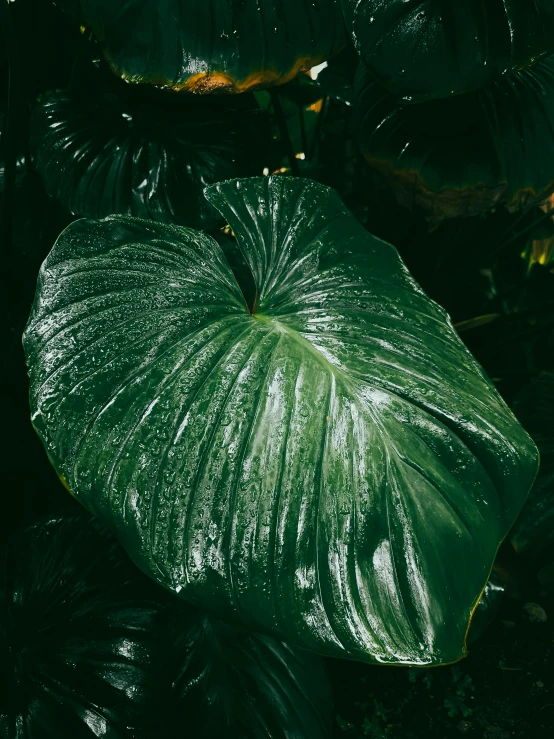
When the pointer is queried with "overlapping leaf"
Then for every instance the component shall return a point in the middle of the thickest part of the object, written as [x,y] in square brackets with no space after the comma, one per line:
[228,682]
[102,154]
[222,45]
[467,154]
[425,49]
[332,467]
[90,647]
[78,645]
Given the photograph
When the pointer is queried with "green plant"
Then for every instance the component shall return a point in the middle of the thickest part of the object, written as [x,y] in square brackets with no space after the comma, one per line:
[231,440]
[269,414]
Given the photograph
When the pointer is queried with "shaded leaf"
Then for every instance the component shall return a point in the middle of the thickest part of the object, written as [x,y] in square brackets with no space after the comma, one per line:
[90,647]
[468,154]
[426,49]
[223,45]
[77,639]
[110,155]
[334,468]
[229,682]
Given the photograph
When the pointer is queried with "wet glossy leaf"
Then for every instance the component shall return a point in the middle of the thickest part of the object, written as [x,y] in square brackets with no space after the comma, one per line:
[109,155]
[77,640]
[229,682]
[222,45]
[334,469]
[467,154]
[424,49]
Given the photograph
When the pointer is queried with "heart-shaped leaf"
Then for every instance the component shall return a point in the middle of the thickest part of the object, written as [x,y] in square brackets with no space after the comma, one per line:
[78,643]
[221,45]
[106,155]
[232,683]
[424,49]
[468,154]
[333,468]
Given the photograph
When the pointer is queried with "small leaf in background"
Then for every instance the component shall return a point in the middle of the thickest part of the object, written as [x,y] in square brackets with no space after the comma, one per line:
[429,49]
[464,155]
[101,154]
[221,46]
[78,646]
[331,466]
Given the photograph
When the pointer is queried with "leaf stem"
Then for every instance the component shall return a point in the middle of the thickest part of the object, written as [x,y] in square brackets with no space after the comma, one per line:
[283,132]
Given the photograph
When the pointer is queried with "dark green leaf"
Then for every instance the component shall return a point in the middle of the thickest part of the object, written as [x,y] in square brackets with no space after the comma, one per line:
[424,49]
[222,45]
[337,79]
[334,469]
[233,683]
[467,154]
[77,640]
[109,155]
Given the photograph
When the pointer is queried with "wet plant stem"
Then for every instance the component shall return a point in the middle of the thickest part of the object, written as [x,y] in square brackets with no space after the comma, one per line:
[283,132]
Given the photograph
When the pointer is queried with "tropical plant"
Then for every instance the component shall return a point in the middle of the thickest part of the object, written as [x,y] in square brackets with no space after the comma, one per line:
[282,323]
[280,459]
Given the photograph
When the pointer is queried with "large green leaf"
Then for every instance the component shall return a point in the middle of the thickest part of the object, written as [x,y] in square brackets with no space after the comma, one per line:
[221,45]
[333,468]
[78,643]
[229,682]
[424,49]
[467,154]
[105,154]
